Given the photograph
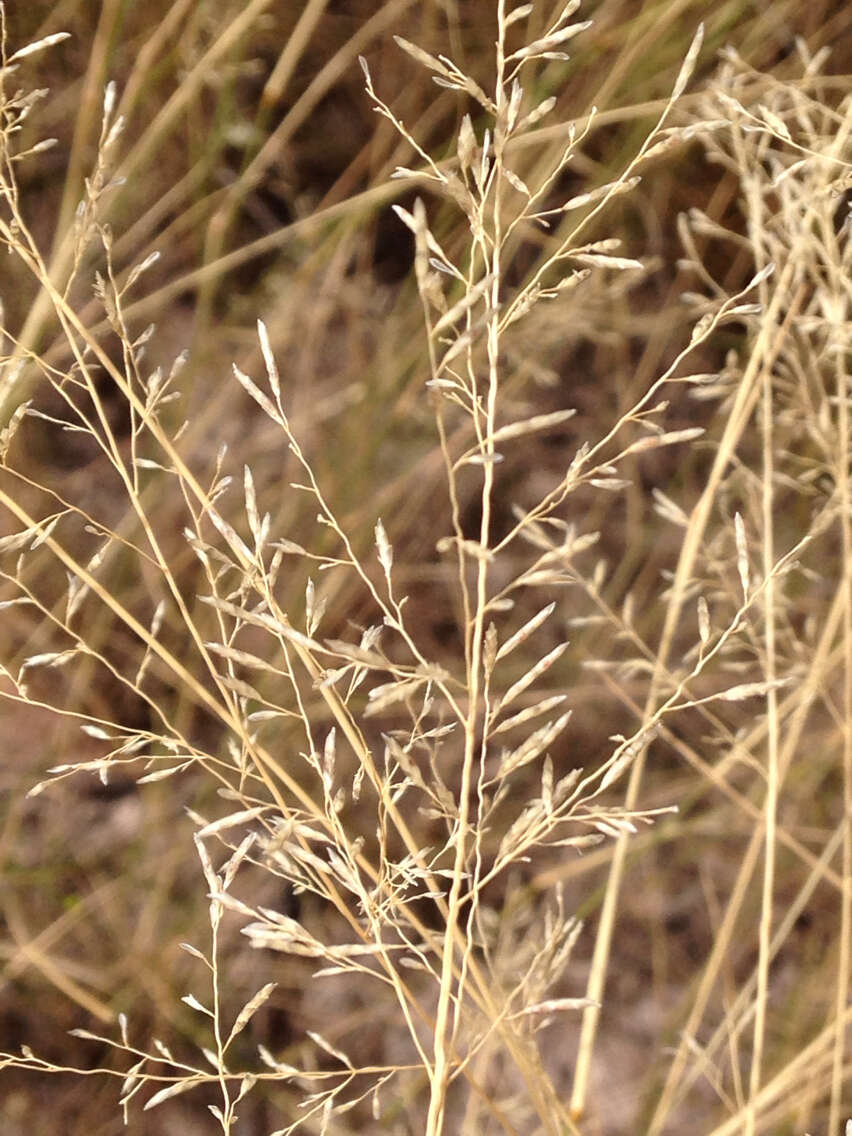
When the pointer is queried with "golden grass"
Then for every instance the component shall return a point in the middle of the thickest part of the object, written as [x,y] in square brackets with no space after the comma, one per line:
[487,689]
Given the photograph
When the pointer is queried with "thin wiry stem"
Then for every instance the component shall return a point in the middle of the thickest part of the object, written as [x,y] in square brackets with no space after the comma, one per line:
[772,771]
[475,637]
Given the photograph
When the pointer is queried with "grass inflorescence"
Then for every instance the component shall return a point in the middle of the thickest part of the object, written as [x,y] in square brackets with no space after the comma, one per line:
[459,683]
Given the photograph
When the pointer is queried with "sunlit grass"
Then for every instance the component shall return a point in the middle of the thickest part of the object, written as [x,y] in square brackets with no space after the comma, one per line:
[488,685]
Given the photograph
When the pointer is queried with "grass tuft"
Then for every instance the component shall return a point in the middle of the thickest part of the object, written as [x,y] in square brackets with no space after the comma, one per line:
[443,715]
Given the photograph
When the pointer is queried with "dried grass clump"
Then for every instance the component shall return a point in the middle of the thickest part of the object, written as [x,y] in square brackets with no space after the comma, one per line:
[387,809]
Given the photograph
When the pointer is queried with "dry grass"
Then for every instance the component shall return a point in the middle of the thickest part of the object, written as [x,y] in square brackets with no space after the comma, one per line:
[444,731]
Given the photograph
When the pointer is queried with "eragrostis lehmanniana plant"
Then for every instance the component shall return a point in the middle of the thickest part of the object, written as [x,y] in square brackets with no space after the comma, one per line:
[397,798]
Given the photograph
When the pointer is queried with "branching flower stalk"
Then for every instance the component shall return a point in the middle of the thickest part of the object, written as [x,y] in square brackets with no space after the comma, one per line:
[481,188]
[481,191]
[375,808]
[493,188]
